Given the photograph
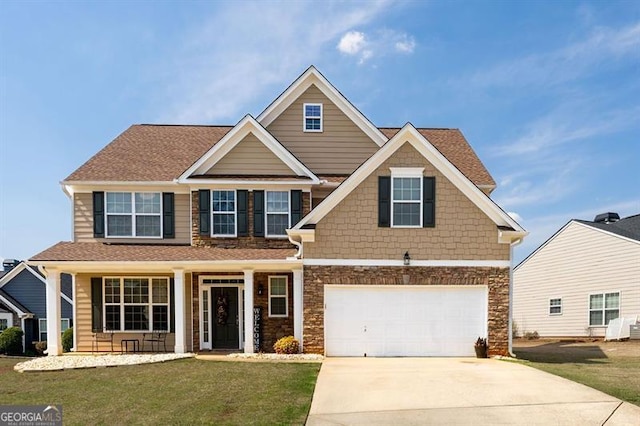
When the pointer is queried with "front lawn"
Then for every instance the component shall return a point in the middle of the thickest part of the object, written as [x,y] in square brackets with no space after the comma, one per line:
[611,367]
[178,392]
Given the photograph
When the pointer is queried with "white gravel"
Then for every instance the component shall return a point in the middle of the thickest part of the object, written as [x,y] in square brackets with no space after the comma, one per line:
[277,357]
[64,362]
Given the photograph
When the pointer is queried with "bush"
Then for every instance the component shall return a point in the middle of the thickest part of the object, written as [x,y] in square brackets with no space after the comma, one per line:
[41,347]
[11,341]
[531,336]
[514,330]
[67,339]
[287,345]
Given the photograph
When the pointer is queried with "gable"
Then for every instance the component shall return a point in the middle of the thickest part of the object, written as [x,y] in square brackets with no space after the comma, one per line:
[250,157]
[339,149]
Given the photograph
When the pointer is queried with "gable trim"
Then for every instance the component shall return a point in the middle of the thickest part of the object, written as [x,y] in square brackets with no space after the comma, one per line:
[604,231]
[21,311]
[15,271]
[301,84]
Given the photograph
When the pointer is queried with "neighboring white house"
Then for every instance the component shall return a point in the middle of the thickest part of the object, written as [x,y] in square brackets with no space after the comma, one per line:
[585,275]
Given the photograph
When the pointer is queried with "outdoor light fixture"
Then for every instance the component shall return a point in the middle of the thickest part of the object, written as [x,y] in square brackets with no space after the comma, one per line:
[260,289]
[407,259]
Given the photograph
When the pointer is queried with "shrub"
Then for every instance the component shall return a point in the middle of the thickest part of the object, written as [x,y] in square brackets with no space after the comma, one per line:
[287,345]
[41,347]
[11,341]
[531,336]
[67,339]
[514,329]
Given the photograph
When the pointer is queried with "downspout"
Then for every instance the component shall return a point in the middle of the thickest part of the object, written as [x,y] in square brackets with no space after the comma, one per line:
[511,246]
[298,244]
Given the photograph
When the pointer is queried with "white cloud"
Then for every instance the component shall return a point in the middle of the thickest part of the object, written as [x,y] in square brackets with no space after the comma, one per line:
[352,43]
[377,44]
[406,45]
[515,216]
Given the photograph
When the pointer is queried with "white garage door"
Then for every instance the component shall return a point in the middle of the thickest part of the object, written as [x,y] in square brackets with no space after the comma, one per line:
[404,320]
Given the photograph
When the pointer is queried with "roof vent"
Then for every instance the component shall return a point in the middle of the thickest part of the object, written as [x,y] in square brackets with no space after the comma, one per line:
[607,218]
[9,264]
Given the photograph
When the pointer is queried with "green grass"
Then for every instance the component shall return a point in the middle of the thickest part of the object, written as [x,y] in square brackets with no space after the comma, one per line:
[178,392]
[615,374]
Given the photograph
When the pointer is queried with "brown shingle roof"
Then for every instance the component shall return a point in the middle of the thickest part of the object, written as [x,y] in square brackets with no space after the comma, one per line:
[453,145]
[88,252]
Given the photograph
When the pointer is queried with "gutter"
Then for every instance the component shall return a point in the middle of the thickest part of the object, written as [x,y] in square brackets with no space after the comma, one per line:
[510,346]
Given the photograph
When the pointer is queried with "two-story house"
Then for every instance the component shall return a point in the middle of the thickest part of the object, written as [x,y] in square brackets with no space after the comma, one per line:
[307,220]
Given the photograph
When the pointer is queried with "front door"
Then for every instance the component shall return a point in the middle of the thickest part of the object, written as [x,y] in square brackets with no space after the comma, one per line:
[224,317]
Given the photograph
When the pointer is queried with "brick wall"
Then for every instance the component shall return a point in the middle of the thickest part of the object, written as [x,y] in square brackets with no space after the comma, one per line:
[315,277]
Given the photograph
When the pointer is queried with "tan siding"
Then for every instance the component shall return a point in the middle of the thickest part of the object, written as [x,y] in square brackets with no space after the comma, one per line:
[462,231]
[577,262]
[83,222]
[340,148]
[250,157]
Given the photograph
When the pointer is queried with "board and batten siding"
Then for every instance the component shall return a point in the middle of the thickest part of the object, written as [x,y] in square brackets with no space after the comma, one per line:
[83,222]
[250,157]
[578,261]
[341,146]
[32,294]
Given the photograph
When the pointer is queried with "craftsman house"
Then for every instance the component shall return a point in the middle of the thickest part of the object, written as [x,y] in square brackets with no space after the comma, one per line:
[306,220]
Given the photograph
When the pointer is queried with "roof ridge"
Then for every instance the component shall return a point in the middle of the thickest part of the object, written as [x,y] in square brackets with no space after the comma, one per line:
[183,125]
[422,128]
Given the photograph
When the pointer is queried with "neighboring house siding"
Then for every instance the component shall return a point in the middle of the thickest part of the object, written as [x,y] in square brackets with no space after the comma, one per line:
[250,157]
[340,148]
[462,230]
[83,222]
[31,293]
[577,262]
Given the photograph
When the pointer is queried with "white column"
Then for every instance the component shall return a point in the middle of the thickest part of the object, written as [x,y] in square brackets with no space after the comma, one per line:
[248,311]
[54,339]
[179,316]
[297,306]
[75,312]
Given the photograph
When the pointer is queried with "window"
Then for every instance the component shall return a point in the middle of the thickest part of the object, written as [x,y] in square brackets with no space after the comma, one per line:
[312,117]
[134,214]
[555,306]
[6,320]
[136,304]
[603,308]
[65,323]
[277,213]
[406,197]
[278,306]
[224,213]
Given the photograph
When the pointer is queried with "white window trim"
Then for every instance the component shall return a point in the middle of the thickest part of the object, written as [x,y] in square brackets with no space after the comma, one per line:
[133,215]
[604,309]
[285,296]
[9,317]
[407,172]
[266,215]
[304,118]
[235,214]
[44,321]
[554,306]
[122,304]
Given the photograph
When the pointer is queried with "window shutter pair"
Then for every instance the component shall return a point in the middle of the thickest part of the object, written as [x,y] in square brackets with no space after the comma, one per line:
[258,210]
[428,202]
[204,212]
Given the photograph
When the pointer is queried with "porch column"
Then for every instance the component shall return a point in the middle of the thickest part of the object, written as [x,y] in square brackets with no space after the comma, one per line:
[54,339]
[297,306]
[179,316]
[75,312]
[248,311]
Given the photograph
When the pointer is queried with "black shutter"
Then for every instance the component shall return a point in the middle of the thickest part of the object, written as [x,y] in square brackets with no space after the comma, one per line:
[296,206]
[204,209]
[98,214]
[96,304]
[258,213]
[172,306]
[168,215]
[428,202]
[384,201]
[243,215]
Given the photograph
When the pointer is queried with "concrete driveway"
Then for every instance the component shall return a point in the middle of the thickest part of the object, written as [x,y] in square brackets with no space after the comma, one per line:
[412,391]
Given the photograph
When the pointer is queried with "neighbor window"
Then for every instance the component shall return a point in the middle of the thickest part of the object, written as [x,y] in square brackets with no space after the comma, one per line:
[224,213]
[134,214]
[406,198]
[65,323]
[277,213]
[136,304]
[555,306]
[603,308]
[312,117]
[278,306]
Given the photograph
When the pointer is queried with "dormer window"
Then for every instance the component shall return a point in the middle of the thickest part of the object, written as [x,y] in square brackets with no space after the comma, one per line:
[312,121]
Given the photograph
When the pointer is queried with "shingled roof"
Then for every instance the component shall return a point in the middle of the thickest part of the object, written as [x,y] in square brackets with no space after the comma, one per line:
[628,227]
[161,153]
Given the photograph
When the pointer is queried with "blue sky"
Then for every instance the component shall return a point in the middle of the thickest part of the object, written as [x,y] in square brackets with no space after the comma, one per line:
[546,92]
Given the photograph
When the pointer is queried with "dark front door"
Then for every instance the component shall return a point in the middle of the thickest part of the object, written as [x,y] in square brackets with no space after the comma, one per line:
[224,309]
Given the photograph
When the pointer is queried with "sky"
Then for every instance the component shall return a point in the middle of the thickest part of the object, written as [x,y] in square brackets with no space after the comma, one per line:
[546,92]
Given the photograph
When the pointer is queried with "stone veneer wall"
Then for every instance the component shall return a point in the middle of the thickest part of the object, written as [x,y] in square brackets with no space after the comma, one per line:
[240,242]
[497,280]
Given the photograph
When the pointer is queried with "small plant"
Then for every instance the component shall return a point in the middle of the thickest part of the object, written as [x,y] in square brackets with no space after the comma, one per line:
[531,335]
[41,347]
[11,341]
[514,330]
[287,345]
[481,347]
[67,339]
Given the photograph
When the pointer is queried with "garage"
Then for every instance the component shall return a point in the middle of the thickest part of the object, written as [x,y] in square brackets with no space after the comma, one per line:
[368,320]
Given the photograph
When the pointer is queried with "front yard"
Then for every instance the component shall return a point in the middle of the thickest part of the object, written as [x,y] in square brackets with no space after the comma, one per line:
[611,367]
[178,392]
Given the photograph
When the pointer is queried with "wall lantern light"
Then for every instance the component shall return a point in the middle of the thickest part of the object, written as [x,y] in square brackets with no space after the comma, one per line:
[407,259]
[260,289]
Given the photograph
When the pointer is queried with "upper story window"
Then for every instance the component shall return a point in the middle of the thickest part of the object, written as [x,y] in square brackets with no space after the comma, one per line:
[224,213]
[555,306]
[603,308]
[406,197]
[312,120]
[134,214]
[277,213]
